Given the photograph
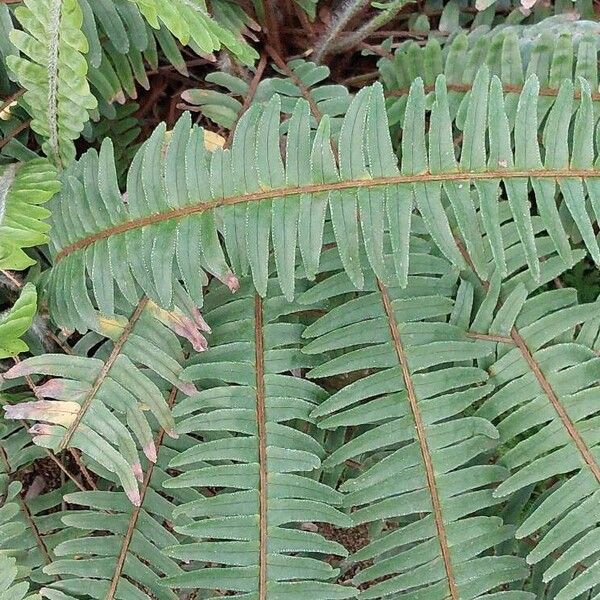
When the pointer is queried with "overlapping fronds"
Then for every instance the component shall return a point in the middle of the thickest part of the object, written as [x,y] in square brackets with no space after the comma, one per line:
[545,376]
[23,189]
[190,23]
[30,528]
[175,210]
[123,130]
[225,108]
[421,459]
[52,68]
[17,450]
[555,49]
[10,586]
[455,16]
[16,321]
[117,549]
[252,417]
[87,398]
[121,44]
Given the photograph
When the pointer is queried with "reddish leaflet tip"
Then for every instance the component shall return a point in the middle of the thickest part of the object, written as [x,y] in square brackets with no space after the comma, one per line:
[171,433]
[232,282]
[18,370]
[150,451]
[53,388]
[187,388]
[137,471]
[199,320]
[134,496]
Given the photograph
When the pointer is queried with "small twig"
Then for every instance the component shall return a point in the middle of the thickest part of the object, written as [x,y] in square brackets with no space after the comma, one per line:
[338,23]
[12,279]
[271,24]
[260,69]
[377,50]
[378,21]
[12,98]
[15,132]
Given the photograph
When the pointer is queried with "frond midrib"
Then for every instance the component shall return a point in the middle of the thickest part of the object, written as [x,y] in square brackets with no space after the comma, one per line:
[115,353]
[261,419]
[283,193]
[422,441]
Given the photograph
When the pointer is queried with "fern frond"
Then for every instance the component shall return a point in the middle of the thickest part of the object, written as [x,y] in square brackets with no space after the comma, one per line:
[10,586]
[54,73]
[190,22]
[251,415]
[82,405]
[422,465]
[123,131]
[30,528]
[225,108]
[287,201]
[545,383]
[16,449]
[556,49]
[16,321]
[23,189]
[116,548]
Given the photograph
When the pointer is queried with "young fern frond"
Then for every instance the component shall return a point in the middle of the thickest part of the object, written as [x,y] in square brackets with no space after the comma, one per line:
[54,73]
[190,23]
[425,472]
[82,406]
[252,416]
[16,321]
[24,187]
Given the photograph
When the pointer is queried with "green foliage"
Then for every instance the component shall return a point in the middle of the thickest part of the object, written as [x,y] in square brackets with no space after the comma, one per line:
[425,459]
[10,587]
[23,189]
[224,108]
[15,322]
[556,49]
[54,73]
[327,360]
[189,22]
[251,413]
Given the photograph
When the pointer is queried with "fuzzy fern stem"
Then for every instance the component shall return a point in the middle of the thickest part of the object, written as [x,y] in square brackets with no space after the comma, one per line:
[338,23]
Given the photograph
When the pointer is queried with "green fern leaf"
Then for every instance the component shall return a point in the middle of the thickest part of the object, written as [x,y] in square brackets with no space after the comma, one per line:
[424,470]
[253,450]
[54,73]
[555,49]
[118,549]
[164,205]
[189,21]
[15,322]
[23,188]
[10,587]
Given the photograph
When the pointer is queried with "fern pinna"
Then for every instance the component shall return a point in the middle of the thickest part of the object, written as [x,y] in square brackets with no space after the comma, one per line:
[319,329]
